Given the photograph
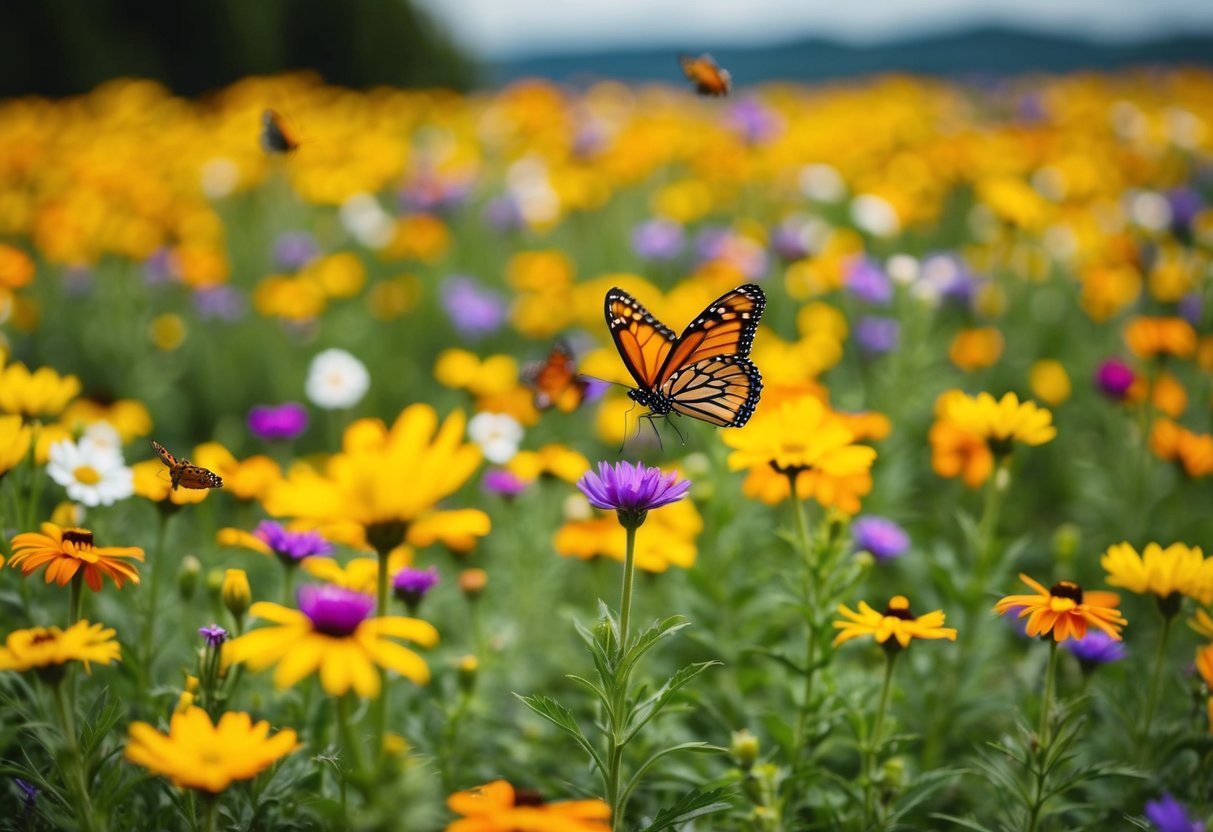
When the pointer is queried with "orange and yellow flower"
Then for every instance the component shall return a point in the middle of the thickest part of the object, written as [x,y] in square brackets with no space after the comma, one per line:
[66,552]
[1065,610]
[1177,569]
[897,622]
[48,647]
[1149,337]
[498,807]
[669,538]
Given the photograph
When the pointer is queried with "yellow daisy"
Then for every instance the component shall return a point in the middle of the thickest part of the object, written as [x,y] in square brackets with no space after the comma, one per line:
[1064,610]
[40,647]
[1177,569]
[896,622]
[64,552]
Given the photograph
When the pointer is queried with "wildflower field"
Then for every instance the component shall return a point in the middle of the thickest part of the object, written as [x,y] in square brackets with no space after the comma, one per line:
[324,503]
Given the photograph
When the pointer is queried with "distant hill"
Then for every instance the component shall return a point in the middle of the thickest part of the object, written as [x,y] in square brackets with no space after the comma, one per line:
[996,51]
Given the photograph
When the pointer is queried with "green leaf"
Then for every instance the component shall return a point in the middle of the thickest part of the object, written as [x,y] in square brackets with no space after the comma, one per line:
[653,705]
[592,688]
[562,718]
[695,747]
[692,805]
[963,822]
[647,639]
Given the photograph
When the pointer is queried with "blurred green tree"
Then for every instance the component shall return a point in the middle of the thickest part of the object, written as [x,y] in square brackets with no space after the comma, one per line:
[63,47]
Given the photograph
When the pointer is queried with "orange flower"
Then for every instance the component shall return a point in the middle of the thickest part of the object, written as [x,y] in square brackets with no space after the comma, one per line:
[1065,610]
[67,551]
[1174,443]
[1153,337]
[973,349]
[498,807]
[958,453]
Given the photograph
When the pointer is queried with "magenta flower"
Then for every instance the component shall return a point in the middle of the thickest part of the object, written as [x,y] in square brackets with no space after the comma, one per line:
[1114,378]
[334,610]
[214,635]
[411,585]
[503,481]
[284,421]
[291,547]
[631,490]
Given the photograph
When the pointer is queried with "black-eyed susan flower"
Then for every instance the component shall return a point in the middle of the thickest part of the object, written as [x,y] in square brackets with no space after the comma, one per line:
[999,422]
[897,622]
[1167,573]
[1151,337]
[49,647]
[499,807]
[333,634]
[204,756]
[1065,610]
[65,552]
[40,393]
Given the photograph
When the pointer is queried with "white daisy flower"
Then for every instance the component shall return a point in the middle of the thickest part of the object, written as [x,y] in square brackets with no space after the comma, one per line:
[92,473]
[336,380]
[497,435]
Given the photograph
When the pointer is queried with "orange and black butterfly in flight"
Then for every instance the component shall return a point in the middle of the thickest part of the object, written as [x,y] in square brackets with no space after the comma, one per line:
[705,372]
[275,138]
[556,383]
[708,76]
[185,474]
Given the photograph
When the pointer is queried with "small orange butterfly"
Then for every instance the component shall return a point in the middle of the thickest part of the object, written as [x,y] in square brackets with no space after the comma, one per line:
[183,473]
[275,138]
[708,76]
[556,383]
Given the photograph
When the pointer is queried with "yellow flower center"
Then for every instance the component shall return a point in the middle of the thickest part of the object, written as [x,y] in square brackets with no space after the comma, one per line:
[87,474]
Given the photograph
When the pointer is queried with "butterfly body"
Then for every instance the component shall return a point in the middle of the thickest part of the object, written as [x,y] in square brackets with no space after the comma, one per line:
[275,138]
[704,373]
[556,383]
[708,76]
[185,474]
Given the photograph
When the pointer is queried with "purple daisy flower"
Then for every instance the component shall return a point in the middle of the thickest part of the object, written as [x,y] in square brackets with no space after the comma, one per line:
[791,240]
[1114,378]
[1185,204]
[755,122]
[411,585]
[1095,648]
[334,610]
[295,249]
[631,490]
[284,421]
[880,536]
[503,481]
[214,635]
[474,310]
[867,281]
[291,547]
[1169,815]
[658,240]
[877,335]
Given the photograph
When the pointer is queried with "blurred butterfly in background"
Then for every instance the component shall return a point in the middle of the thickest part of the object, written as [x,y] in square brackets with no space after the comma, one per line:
[275,138]
[556,383]
[185,474]
[707,75]
[706,372]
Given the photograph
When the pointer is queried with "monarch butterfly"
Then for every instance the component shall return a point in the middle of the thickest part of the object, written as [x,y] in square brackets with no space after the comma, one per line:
[708,76]
[275,139]
[185,474]
[705,372]
[556,383]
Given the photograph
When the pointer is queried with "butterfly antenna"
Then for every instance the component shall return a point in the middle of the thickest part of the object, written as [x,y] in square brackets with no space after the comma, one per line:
[656,432]
[625,428]
[605,381]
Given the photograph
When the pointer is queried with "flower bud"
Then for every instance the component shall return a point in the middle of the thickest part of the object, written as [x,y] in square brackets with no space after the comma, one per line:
[472,583]
[744,749]
[468,665]
[187,577]
[237,595]
[184,702]
[895,773]
[214,583]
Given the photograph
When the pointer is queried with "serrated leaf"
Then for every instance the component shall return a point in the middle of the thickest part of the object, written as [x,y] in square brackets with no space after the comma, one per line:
[692,805]
[562,718]
[646,640]
[653,705]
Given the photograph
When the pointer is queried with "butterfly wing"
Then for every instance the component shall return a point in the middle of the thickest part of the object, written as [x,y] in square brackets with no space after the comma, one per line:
[556,383]
[643,342]
[165,457]
[195,476]
[274,136]
[726,327]
[705,74]
[721,391]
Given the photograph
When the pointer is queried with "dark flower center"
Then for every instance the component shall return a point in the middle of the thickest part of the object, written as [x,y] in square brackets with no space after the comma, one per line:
[42,637]
[528,797]
[796,470]
[899,612]
[81,537]
[1067,589]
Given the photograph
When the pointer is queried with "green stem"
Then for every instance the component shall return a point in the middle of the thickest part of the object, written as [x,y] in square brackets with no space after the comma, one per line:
[625,603]
[74,598]
[876,740]
[379,706]
[987,531]
[211,815]
[349,739]
[1156,678]
[155,573]
[810,600]
[288,585]
[1046,699]
[73,769]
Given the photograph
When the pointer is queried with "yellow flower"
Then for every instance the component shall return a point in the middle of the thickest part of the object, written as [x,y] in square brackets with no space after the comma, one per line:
[65,552]
[360,490]
[198,754]
[16,267]
[1064,610]
[15,438]
[668,539]
[236,592]
[359,574]
[249,479]
[998,422]
[41,393]
[1202,623]
[766,484]
[1162,572]
[497,807]
[49,646]
[127,416]
[553,459]
[958,453]
[152,482]
[1152,337]
[973,349]
[896,622]
[1049,381]
[332,634]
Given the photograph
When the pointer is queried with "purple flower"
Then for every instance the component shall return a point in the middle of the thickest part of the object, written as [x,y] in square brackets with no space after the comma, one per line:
[1192,308]
[1095,648]
[631,490]
[291,547]
[1185,204]
[30,793]
[221,302]
[1114,378]
[503,214]
[1020,624]
[658,240]
[411,585]
[946,277]
[474,311]
[295,249]
[867,281]
[430,191]
[214,635]
[284,421]
[754,121]
[880,536]
[791,240]
[876,335]
[1169,815]
[503,481]
[158,267]
[334,610]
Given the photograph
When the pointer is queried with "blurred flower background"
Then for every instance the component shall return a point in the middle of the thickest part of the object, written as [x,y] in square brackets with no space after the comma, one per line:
[985,237]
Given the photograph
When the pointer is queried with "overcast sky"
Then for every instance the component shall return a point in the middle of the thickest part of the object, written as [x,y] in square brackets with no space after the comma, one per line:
[508,28]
